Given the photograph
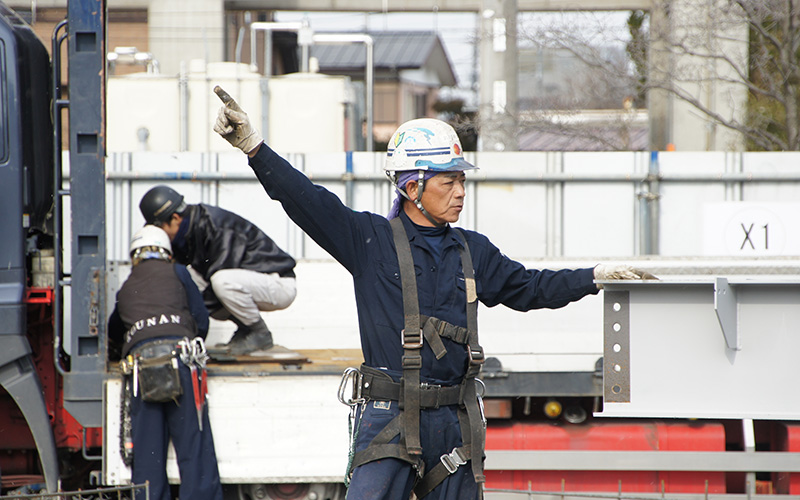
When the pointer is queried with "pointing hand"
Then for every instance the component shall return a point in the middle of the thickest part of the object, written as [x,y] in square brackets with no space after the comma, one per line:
[233,124]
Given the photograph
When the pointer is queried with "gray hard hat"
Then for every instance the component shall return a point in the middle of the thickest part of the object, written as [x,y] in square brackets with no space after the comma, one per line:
[160,203]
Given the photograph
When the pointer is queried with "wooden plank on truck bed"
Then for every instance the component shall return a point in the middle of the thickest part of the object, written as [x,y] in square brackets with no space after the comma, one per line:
[281,359]
[276,354]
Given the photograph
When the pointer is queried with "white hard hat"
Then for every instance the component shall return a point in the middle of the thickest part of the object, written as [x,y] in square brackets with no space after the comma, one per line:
[425,144]
[150,236]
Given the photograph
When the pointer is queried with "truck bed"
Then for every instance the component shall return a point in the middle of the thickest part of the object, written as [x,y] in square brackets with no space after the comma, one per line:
[272,421]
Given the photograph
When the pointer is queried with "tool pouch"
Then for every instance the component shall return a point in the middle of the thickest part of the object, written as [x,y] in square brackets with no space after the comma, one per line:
[159,380]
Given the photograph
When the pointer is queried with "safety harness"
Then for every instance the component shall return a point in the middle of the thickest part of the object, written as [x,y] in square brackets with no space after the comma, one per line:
[413,396]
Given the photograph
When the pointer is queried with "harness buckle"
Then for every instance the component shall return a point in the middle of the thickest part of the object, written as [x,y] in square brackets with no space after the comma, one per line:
[413,361]
[435,388]
[476,356]
[453,460]
[411,341]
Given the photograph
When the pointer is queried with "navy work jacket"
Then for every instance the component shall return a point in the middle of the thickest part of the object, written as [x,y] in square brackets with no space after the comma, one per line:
[363,243]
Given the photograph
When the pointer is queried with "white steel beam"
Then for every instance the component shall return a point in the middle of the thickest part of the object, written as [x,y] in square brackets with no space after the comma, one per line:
[500,494]
[678,349]
[705,461]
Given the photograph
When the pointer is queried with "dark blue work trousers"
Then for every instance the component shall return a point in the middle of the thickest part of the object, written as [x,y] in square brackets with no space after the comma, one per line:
[152,426]
[393,479]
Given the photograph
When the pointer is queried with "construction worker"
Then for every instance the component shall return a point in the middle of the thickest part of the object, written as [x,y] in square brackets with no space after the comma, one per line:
[417,281]
[239,269]
[160,321]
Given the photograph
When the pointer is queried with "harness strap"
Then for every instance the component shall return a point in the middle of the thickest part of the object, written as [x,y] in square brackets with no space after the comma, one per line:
[448,464]
[380,447]
[475,426]
[412,339]
[434,328]
[381,451]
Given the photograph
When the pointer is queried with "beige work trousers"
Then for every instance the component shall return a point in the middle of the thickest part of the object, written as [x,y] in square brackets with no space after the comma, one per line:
[245,293]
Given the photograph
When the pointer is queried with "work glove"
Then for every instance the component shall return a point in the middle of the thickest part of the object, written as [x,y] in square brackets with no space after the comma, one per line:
[234,125]
[605,272]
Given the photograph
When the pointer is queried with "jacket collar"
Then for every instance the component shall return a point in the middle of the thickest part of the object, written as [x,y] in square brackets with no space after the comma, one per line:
[416,238]
[179,242]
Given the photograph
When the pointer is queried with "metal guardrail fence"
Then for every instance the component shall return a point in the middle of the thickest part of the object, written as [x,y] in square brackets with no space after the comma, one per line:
[567,204]
[126,492]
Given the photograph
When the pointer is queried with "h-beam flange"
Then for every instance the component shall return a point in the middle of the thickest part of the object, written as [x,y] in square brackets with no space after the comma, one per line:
[726,307]
[616,347]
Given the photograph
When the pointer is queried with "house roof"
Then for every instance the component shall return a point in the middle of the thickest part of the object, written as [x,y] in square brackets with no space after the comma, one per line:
[598,139]
[393,51]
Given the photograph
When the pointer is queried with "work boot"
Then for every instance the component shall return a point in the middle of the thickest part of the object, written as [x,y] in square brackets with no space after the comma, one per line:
[241,331]
[259,338]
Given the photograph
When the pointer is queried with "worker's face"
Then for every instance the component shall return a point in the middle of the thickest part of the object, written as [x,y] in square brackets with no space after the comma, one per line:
[442,196]
[171,227]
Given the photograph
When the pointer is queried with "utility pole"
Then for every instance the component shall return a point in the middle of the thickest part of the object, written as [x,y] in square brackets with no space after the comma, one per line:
[659,100]
[498,76]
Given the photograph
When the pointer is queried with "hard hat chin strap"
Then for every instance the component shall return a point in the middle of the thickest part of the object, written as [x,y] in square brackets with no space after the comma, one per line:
[418,201]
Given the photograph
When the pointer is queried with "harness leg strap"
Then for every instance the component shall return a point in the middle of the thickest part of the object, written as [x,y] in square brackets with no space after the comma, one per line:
[448,464]
[380,447]
[475,429]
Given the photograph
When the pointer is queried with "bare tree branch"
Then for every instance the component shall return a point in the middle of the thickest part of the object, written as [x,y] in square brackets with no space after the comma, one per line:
[742,55]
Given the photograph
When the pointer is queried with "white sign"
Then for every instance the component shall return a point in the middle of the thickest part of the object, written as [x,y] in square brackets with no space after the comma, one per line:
[751,229]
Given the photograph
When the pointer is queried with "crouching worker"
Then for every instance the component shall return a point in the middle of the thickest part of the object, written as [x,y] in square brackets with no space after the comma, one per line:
[160,321]
[239,269]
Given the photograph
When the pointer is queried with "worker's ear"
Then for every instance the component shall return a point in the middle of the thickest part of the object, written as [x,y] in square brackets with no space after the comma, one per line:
[412,188]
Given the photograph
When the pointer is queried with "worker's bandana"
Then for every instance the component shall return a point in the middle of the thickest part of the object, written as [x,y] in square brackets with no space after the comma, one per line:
[402,180]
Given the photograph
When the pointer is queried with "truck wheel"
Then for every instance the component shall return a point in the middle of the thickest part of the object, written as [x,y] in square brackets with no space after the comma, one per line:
[291,491]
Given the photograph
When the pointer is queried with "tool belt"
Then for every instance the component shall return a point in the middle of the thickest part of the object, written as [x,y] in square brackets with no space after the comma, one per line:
[154,366]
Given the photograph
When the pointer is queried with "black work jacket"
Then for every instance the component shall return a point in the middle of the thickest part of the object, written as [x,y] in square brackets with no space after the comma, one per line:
[363,243]
[218,239]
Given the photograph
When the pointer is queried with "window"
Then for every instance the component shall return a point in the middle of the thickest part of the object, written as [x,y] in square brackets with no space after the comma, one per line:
[385,103]
[420,105]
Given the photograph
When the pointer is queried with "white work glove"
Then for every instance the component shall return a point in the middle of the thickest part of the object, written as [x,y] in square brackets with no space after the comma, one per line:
[234,125]
[605,272]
